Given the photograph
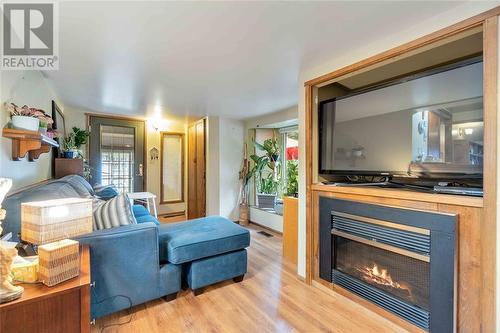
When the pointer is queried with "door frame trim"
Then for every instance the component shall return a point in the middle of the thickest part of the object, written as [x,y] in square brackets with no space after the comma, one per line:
[88,115]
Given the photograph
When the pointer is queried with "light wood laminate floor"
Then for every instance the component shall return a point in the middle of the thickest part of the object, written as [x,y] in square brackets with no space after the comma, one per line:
[270,299]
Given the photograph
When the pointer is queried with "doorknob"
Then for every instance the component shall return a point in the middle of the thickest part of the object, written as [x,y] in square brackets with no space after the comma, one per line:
[140,170]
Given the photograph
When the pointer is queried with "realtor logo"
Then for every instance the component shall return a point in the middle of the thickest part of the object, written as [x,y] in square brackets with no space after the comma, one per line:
[29,36]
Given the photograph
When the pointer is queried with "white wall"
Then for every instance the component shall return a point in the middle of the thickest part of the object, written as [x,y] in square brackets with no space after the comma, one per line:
[33,89]
[266,219]
[153,167]
[225,139]
[346,57]
[75,116]
[284,117]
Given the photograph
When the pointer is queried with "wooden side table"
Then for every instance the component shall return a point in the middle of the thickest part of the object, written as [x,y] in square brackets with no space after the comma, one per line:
[62,308]
[67,166]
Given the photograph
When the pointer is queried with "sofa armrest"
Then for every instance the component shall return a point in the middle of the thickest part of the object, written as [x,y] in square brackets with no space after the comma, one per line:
[124,265]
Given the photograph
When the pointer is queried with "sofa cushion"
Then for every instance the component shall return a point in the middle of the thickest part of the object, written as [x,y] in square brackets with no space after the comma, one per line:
[106,192]
[147,218]
[140,210]
[80,185]
[201,238]
[113,213]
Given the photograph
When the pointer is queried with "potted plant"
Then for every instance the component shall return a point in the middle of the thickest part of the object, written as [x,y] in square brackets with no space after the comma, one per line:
[244,176]
[69,146]
[73,142]
[266,171]
[27,118]
[292,175]
[42,127]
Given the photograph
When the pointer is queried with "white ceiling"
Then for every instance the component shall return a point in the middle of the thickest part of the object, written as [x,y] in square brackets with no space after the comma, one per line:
[234,59]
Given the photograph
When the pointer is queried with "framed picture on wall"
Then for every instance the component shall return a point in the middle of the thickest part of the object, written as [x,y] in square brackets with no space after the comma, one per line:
[59,125]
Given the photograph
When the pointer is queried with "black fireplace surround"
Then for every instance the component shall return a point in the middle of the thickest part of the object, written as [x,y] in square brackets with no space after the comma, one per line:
[399,259]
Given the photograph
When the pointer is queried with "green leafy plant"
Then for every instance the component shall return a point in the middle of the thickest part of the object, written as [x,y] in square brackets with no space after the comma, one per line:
[81,136]
[69,142]
[268,185]
[87,170]
[292,175]
[75,139]
[266,167]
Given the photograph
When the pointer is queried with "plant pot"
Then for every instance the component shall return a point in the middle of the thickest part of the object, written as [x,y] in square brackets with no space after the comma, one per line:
[70,154]
[25,123]
[243,220]
[266,201]
[278,207]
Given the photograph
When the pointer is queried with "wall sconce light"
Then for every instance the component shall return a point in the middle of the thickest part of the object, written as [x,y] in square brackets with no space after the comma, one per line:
[157,124]
[154,153]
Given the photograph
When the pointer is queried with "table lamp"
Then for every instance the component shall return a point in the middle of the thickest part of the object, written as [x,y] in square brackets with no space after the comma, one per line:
[48,221]
[49,224]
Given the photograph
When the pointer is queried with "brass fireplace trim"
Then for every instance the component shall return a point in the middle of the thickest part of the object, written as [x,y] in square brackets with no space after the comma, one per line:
[382,246]
[383,223]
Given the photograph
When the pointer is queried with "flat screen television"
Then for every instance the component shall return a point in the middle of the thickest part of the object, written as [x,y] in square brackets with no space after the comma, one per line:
[428,125]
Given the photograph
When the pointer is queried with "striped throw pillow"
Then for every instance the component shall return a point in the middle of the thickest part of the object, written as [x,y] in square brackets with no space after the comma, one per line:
[113,213]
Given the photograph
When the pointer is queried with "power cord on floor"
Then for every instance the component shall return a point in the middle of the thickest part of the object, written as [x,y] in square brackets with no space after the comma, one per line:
[111,299]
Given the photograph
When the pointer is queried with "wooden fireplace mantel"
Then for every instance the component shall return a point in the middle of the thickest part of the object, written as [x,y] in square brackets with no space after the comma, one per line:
[28,142]
[477,218]
[403,194]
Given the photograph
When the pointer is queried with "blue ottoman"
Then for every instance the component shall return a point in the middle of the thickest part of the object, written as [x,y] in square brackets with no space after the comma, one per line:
[211,249]
[207,271]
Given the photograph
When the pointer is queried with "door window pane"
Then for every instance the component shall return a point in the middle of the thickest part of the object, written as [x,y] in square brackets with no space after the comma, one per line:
[117,157]
[291,162]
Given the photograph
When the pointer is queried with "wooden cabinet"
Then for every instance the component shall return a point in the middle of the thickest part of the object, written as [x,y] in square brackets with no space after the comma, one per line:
[290,231]
[58,309]
[68,166]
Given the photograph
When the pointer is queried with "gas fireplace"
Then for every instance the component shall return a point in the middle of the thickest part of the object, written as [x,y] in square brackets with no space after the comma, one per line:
[401,260]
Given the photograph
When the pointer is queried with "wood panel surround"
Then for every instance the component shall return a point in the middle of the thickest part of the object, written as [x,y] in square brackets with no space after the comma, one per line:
[476,259]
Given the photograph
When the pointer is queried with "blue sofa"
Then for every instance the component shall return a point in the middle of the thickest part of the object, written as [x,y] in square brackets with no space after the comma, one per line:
[133,264]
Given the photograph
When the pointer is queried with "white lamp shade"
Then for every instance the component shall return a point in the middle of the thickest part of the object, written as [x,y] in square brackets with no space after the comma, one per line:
[52,220]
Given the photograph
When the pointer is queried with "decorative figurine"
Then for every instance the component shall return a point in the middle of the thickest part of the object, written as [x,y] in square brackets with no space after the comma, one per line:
[8,291]
[5,185]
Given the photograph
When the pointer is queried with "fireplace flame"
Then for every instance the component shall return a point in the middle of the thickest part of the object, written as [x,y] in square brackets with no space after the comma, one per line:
[379,276]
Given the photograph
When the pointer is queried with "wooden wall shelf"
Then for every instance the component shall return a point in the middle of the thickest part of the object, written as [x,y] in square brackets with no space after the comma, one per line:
[28,142]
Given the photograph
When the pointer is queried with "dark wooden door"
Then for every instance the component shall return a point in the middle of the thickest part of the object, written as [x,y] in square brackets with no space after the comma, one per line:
[117,152]
[196,170]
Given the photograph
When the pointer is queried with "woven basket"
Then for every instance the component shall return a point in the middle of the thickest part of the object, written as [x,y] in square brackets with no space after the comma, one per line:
[52,220]
[58,261]
[243,214]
